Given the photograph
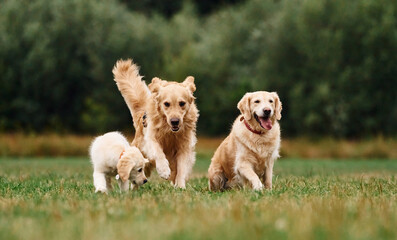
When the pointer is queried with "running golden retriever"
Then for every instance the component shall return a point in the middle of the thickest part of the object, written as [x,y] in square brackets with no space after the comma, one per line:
[248,154]
[165,116]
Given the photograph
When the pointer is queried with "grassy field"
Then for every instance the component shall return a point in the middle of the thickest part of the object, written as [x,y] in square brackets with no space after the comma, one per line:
[53,198]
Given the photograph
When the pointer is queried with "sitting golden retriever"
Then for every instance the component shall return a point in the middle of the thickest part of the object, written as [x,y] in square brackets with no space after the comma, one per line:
[165,116]
[248,154]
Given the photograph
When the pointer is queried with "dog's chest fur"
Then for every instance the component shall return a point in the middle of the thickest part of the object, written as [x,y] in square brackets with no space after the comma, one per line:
[263,147]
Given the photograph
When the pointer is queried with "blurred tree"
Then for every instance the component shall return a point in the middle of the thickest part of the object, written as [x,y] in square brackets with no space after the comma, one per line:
[170,7]
[56,60]
[333,63]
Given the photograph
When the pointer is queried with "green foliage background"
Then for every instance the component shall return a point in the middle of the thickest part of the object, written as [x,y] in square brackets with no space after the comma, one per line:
[333,63]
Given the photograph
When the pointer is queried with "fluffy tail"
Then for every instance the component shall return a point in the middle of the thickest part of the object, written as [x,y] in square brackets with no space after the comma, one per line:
[134,91]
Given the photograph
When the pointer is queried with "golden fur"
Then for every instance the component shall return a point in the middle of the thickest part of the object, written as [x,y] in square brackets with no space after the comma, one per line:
[169,146]
[245,157]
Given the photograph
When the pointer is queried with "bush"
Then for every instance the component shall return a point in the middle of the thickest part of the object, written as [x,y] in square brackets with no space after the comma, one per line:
[333,63]
[56,62]
[335,66]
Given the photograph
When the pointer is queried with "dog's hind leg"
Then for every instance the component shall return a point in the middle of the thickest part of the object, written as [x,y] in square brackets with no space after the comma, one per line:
[100,182]
[217,182]
[233,183]
[109,182]
[216,177]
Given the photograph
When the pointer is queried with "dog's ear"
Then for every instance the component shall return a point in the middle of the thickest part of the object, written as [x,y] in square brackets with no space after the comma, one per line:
[191,98]
[278,105]
[155,85]
[124,167]
[244,106]
[145,160]
[189,83]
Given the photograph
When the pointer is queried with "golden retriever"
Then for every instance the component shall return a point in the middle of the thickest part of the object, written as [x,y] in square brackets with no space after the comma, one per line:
[248,154]
[111,154]
[165,116]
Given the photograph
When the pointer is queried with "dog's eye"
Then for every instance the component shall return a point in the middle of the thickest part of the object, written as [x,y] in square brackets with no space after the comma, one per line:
[270,101]
[182,104]
[140,170]
[167,104]
[256,101]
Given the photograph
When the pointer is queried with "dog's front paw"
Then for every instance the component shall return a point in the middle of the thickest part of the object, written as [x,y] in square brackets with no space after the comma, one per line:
[257,186]
[180,184]
[164,171]
[101,190]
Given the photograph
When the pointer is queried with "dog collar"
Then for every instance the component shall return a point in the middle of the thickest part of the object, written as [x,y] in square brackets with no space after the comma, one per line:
[249,128]
[121,154]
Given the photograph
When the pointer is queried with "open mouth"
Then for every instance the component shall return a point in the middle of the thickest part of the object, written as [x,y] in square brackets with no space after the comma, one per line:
[175,129]
[265,122]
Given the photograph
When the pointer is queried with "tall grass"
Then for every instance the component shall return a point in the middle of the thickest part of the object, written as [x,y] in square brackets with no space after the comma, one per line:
[44,145]
[22,145]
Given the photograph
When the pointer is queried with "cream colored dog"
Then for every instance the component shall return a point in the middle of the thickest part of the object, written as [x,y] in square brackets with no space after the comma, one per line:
[111,154]
[248,154]
[165,117]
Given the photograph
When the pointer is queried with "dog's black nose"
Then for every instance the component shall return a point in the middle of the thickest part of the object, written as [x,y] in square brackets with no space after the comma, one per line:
[174,121]
[267,112]
[144,181]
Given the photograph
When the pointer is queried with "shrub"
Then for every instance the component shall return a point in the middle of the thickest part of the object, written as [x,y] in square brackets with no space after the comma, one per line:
[56,60]
[333,63]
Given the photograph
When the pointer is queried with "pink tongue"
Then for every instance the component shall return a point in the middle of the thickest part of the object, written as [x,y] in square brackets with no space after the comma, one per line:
[267,124]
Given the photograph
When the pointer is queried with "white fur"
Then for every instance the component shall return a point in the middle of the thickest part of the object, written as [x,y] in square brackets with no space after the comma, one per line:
[105,153]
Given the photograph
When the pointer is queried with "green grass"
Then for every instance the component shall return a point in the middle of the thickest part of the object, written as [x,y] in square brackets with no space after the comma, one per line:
[47,198]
